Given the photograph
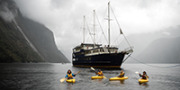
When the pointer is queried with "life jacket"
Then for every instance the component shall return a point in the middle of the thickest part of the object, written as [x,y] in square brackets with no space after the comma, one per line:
[122,74]
[145,77]
[70,75]
[100,73]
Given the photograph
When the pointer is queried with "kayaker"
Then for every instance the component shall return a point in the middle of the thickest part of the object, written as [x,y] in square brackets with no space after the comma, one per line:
[70,75]
[99,73]
[144,76]
[121,74]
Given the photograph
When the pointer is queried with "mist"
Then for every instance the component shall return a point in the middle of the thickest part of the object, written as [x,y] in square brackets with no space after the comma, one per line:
[136,17]
[6,12]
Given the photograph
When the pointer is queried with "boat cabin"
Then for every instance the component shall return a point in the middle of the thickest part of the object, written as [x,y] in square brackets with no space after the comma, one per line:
[91,49]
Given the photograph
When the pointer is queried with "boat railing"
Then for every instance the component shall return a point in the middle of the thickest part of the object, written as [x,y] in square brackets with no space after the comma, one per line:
[97,53]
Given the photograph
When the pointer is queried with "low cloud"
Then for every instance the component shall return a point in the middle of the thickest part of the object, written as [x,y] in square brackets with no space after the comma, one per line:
[65,17]
[6,12]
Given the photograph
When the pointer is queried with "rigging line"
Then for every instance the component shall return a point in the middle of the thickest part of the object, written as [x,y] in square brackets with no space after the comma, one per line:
[120,28]
[116,40]
[154,65]
[88,38]
[127,41]
[101,28]
[99,39]
[90,32]
[127,57]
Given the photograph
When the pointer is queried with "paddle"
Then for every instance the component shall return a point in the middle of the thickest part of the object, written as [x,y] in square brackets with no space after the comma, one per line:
[63,79]
[96,71]
[137,72]
[146,74]
[78,72]
[93,69]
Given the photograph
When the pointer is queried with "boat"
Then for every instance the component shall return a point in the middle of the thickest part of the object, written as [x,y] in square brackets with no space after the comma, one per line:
[70,80]
[143,80]
[118,78]
[98,55]
[98,77]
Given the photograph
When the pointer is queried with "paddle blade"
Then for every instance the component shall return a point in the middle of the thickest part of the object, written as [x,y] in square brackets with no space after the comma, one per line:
[105,77]
[78,72]
[92,69]
[63,79]
[137,72]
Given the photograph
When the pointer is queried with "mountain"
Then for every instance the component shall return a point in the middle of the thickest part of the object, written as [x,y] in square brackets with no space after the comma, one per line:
[42,38]
[24,40]
[147,49]
[13,46]
[164,50]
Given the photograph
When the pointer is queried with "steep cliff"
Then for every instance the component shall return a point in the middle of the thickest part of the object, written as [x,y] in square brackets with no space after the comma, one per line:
[24,40]
[42,38]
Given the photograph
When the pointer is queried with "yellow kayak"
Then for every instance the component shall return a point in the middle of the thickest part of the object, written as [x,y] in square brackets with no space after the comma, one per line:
[118,78]
[143,80]
[98,77]
[70,80]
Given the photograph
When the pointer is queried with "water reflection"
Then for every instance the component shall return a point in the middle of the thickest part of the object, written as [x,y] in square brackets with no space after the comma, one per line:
[98,80]
[121,81]
[69,86]
[47,76]
[144,84]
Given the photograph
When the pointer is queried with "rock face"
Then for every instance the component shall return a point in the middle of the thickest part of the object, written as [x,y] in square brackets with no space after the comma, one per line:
[24,40]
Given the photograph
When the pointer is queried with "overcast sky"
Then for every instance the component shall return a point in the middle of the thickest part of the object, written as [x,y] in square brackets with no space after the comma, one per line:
[65,17]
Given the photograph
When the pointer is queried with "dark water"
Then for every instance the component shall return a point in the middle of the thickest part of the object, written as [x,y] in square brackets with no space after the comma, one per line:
[47,76]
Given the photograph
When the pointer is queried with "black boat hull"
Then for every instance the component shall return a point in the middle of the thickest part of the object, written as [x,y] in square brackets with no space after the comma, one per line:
[109,60]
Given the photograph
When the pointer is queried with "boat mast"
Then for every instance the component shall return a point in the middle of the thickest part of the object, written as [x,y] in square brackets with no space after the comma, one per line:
[94,26]
[109,24]
[84,29]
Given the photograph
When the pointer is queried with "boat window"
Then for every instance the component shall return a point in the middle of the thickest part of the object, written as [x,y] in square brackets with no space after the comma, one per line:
[101,50]
[82,52]
[96,50]
[87,52]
